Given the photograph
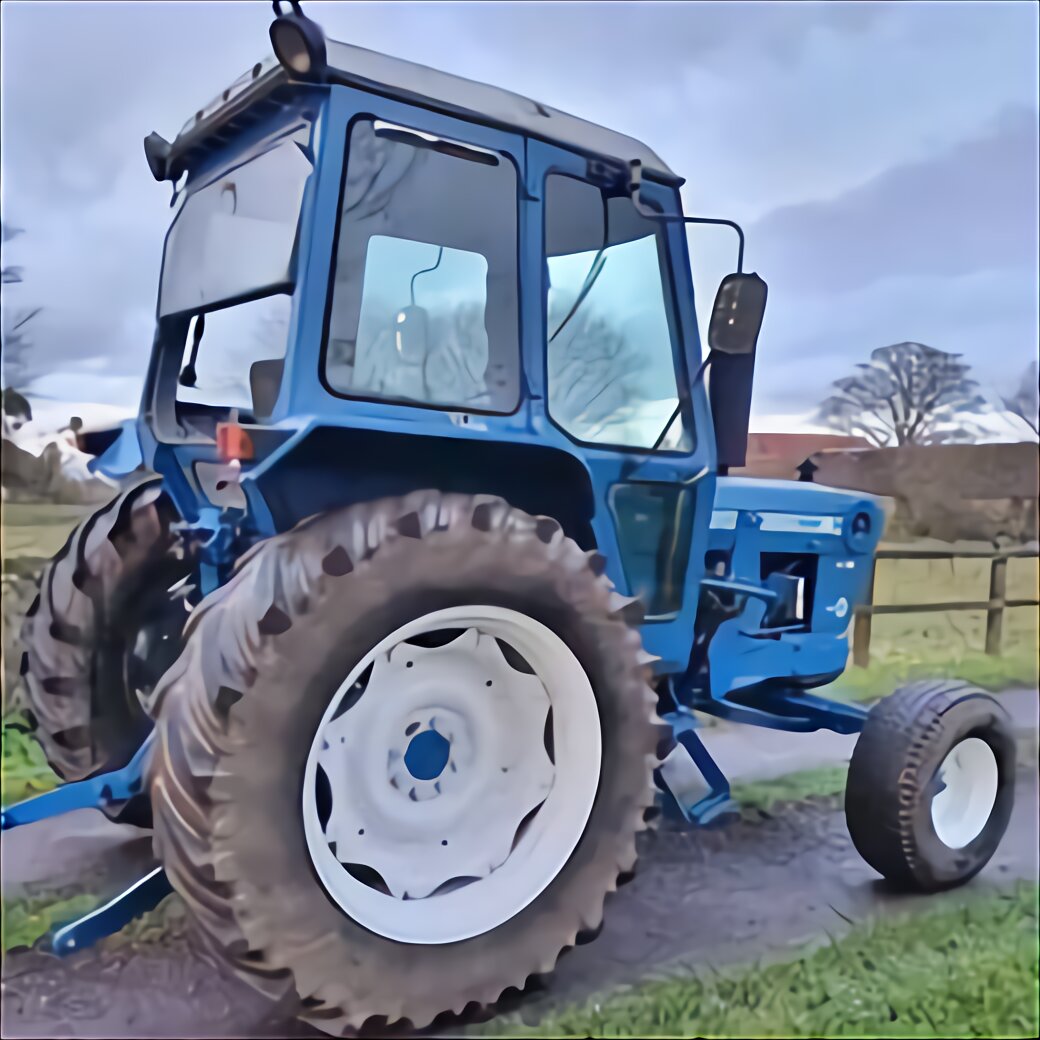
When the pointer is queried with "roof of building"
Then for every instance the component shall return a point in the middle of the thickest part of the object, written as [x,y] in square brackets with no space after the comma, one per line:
[441,91]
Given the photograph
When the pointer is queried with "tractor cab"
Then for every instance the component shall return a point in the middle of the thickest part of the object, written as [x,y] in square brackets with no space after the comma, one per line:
[380,277]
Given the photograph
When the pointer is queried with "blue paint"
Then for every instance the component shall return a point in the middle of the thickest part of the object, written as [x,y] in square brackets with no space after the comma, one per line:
[328,450]
[717,804]
[96,792]
[143,895]
[122,456]
[427,755]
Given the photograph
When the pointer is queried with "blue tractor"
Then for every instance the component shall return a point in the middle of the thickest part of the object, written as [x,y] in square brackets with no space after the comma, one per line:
[400,644]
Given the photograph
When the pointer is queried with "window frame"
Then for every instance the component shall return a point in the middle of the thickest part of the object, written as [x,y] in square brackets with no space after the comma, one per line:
[397,402]
[668,294]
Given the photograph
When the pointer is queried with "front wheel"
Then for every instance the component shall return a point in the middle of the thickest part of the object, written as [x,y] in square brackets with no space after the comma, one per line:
[931,784]
[404,757]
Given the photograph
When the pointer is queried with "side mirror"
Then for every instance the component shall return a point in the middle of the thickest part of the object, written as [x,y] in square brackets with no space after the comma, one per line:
[736,318]
[157,152]
[411,336]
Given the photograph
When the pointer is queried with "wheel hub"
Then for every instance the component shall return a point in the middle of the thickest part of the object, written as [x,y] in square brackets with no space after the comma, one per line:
[428,753]
[966,783]
[439,776]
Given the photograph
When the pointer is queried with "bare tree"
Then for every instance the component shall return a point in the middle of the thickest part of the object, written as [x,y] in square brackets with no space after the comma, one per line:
[594,372]
[15,339]
[1024,404]
[908,393]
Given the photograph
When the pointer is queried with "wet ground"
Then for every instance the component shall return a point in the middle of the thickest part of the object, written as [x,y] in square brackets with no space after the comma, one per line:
[757,889]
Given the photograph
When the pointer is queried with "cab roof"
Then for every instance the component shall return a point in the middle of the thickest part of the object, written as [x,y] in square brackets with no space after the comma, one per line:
[419,85]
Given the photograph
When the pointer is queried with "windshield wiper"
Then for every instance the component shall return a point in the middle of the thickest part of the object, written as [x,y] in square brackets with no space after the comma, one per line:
[598,264]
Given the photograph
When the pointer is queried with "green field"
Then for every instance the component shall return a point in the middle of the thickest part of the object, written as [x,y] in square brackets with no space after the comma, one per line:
[968,970]
[38,530]
[946,643]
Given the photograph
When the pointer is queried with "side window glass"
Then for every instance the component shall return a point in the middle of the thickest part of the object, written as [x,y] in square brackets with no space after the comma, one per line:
[436,347]
[235,236]
[240,355]
[610,357]
[424,304]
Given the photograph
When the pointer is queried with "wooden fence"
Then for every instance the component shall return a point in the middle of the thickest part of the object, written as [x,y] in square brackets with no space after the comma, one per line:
[994,606]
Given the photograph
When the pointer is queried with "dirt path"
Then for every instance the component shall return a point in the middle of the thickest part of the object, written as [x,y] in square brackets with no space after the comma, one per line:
[754,890]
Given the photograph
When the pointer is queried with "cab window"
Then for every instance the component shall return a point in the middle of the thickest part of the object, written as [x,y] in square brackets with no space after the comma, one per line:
[610,354]
[424,302]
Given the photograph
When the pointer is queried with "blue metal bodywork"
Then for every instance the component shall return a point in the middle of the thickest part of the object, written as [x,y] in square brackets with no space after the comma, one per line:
[306,409]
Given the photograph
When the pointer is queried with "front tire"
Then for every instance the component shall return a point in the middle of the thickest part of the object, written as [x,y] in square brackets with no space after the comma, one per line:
[339,901]
[931,784]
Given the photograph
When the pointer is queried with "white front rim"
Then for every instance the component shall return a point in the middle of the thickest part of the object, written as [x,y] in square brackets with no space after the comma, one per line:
[431,775]
[967,782]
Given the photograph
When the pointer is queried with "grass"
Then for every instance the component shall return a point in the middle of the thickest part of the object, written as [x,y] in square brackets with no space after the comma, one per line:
[38,529]
[957,971]
[23,767]
[764,795]
[26,920]
[904,647]
[883,677]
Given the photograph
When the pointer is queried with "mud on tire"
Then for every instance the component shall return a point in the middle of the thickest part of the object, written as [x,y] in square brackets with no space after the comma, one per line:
[237,713]
[92,595]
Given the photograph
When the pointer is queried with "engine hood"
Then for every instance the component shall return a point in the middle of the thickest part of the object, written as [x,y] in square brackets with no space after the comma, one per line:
[753,495]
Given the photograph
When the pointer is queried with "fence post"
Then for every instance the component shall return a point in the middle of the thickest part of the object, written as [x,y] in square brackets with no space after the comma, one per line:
[995,614]
[861,624]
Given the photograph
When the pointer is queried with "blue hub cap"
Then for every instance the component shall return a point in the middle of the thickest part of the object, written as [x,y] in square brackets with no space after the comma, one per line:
[427,755]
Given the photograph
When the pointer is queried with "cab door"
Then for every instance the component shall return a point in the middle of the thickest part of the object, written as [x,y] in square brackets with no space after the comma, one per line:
[615,348]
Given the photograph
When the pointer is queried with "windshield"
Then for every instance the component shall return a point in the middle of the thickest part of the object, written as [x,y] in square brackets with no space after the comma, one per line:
[234,237]
[611,362]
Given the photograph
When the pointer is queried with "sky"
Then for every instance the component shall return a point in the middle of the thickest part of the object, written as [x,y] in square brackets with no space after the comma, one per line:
[882,159]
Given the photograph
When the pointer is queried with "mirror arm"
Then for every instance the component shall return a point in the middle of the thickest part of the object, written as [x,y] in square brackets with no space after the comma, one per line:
[188,376]
[635,183]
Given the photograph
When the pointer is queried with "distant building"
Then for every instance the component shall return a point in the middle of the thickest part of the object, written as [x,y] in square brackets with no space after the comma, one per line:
[781,455]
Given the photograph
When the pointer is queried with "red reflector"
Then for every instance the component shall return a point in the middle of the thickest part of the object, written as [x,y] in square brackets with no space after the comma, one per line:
[233,442]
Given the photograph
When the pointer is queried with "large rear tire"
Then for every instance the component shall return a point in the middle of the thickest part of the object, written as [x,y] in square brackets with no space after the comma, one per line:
[101,632]
[311,644]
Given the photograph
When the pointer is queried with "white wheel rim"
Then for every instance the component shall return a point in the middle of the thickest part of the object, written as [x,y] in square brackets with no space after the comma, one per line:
[484,722]
[967,780]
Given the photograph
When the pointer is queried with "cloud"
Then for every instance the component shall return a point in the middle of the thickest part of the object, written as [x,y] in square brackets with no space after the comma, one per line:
[811,339]
[970,208]
[826,126]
